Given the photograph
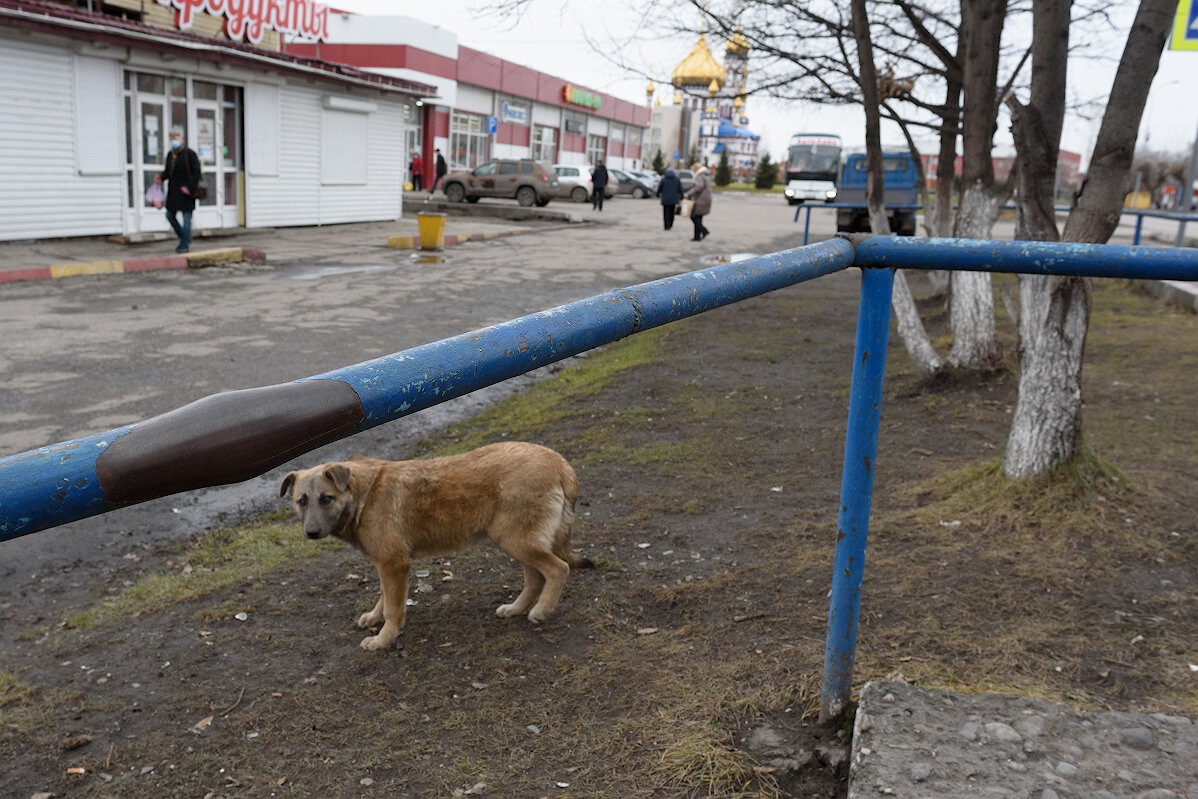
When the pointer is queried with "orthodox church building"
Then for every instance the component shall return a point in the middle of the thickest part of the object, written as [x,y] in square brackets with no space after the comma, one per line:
[707,116]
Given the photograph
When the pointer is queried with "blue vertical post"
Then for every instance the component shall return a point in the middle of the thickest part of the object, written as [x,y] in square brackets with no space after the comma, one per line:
[856,489]
[1139,228]
[806,224]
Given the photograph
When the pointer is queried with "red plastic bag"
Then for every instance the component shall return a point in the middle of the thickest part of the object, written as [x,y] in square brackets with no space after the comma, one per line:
[154,195]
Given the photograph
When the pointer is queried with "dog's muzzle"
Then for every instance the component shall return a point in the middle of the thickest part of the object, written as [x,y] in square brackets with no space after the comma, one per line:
[313,534]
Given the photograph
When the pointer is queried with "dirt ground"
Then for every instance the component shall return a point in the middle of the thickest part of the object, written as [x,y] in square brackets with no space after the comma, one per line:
[687,663]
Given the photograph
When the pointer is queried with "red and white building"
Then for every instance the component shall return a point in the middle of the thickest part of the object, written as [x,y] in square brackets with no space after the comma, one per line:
[485,107]
[287,134]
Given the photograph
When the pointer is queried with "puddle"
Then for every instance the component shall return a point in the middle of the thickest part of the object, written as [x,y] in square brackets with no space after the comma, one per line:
[316,273]
[726,258]
[428,258]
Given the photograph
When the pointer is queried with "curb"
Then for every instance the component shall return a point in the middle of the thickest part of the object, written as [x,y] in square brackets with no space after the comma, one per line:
[413,242]
[193,260]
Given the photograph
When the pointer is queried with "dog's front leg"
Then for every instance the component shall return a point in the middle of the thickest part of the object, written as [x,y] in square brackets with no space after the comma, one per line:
[394,580]
[374,617]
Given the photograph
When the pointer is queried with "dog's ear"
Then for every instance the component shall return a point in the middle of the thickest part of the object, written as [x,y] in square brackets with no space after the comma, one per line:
[287,483]
[338,474]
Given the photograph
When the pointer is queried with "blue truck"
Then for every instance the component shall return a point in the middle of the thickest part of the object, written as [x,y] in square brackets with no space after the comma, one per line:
[901,193]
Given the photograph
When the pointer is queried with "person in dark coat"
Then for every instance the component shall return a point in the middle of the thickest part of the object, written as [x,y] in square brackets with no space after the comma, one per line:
[442,171]
[670,192]
[599,178]
[182,174]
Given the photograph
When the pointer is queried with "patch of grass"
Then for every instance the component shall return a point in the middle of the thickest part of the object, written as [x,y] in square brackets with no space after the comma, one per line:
[12,690]
[215,561]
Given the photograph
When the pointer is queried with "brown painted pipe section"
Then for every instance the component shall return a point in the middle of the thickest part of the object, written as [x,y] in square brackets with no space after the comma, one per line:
[226,438]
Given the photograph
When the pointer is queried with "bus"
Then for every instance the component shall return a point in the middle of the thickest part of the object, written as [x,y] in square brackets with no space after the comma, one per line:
[812,167]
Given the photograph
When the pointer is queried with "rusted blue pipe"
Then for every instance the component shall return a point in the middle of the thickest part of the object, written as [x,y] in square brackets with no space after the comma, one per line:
[238,435]
[856,489]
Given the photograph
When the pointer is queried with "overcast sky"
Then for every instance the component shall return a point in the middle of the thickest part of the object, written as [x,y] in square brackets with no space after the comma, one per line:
[552,37]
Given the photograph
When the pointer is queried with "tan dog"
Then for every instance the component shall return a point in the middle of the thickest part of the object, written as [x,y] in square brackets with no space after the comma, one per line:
[519,495]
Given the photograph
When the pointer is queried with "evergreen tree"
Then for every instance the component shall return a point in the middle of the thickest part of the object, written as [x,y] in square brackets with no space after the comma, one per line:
[659,163]
[767,173]
[723,172]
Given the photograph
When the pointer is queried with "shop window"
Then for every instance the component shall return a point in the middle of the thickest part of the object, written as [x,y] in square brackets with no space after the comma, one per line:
[204,90]
[544,144]
[469,143]
[596,148]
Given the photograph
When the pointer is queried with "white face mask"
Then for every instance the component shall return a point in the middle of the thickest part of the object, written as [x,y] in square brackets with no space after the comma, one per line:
[176,144]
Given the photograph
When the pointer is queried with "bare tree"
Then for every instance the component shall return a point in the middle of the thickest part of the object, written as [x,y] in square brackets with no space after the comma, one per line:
[1055,316]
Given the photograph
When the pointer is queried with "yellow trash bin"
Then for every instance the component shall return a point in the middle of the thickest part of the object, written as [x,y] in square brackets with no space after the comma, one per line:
[432,231]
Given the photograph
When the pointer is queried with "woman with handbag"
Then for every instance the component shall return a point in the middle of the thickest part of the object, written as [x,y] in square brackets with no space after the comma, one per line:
[700,192]
[182,174]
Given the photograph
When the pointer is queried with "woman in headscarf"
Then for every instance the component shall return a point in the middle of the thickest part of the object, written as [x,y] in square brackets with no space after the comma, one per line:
[700,193]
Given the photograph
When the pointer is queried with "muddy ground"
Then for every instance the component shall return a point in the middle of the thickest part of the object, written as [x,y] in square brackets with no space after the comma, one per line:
[687,663]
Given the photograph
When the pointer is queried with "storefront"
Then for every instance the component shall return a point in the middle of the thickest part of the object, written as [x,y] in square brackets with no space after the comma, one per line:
[486,107]
[282,139]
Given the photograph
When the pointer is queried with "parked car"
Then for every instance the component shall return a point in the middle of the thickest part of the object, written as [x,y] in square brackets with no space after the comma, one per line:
[528,182]
[574,181]
[649,175]
[632,183]
[687,177]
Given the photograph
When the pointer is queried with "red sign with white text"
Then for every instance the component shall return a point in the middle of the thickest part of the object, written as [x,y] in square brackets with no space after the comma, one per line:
[249,19]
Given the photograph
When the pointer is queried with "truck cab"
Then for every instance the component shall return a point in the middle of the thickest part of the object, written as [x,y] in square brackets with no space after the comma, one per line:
[901,188]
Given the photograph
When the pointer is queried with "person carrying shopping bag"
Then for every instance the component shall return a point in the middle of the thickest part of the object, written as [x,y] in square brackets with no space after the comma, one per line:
[701,194]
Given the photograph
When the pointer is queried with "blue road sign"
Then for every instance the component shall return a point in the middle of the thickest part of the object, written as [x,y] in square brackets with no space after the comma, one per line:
[677,154]
[492,124]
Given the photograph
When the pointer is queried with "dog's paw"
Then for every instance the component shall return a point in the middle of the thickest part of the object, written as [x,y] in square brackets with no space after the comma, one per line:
[367,620]
[537,617]
[373,643]
[505,611]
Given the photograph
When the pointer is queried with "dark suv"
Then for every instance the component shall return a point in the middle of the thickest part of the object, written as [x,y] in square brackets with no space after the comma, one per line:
[528,181]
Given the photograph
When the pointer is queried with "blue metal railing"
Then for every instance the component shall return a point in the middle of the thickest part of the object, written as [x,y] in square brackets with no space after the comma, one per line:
[53,485]
[1174,216]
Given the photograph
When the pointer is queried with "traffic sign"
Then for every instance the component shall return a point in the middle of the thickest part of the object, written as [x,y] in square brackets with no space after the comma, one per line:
[677,154]
[1185,26]
[492,124]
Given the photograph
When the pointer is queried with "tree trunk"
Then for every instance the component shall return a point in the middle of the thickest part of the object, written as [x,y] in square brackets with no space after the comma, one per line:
[1055,315]
[972,311]
[910,326]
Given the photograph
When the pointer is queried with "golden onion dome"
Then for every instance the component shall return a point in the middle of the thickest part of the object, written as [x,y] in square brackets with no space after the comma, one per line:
[650,88]
[656,101]
[713,88]
[699,68]
[738,44]
[677,98]
[738,102]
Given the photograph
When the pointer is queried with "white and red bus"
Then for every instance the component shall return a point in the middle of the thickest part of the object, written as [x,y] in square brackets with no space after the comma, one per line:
[812,167]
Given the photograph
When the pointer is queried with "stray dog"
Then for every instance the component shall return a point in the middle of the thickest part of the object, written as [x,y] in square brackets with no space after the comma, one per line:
[519,495]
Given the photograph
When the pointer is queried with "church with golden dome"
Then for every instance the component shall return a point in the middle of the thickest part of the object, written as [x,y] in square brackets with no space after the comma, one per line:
[706,116]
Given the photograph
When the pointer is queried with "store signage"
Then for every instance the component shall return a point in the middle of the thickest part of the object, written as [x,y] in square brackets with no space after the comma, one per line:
[517,115]
[579,97]
[249,19]
[575,126]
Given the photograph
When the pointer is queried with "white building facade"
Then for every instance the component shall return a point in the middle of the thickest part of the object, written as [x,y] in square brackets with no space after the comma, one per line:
[87,101]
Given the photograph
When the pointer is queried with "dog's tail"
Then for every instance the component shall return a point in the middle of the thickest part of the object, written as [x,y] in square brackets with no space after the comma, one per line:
[562,546]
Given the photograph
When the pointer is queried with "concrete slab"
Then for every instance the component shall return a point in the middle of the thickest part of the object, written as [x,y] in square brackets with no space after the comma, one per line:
[919,744]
